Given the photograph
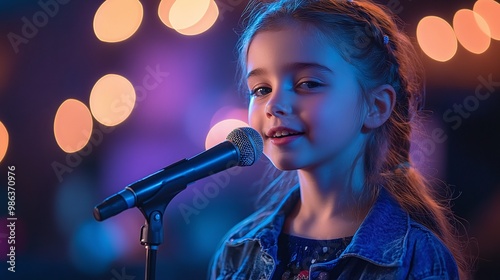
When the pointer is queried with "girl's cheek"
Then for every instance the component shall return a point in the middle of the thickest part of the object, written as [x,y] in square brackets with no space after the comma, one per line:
[254,115]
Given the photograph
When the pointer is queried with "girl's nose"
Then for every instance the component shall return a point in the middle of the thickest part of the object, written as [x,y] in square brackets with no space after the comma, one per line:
[279,104]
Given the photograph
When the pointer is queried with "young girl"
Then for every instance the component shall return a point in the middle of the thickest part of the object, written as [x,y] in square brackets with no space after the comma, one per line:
[334,89]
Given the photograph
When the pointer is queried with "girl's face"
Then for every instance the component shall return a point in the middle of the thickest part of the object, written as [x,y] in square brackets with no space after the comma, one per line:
[305,100]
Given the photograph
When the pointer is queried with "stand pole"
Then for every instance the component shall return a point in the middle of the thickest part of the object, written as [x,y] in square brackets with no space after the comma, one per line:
[152,234]
[151,262]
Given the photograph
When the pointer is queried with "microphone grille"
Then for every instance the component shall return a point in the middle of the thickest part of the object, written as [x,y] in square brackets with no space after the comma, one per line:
[249,143]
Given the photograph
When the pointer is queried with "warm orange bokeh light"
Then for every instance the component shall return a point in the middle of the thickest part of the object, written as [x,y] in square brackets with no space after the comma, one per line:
[219,131]
[437,38]
[196,26]
[489,10]
[72,125]
[117,20]
[112,99]
[229,112]
[472,31]
[164,11]
[186,13]
[4,141]
[205,23]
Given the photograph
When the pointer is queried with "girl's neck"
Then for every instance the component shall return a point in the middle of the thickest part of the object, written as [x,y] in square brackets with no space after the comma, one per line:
[330,193]
[332,204]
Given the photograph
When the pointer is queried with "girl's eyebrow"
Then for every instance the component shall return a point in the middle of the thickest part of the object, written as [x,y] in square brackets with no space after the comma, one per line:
[292,67]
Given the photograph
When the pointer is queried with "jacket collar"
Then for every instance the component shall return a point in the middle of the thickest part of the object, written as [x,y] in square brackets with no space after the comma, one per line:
[381,238]
[268,224]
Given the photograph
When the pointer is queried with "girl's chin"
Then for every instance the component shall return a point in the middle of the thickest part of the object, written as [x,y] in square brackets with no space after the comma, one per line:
[284,166]
[283,162]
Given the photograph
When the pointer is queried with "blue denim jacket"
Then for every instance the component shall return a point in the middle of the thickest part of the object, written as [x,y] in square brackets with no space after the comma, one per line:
[387,245]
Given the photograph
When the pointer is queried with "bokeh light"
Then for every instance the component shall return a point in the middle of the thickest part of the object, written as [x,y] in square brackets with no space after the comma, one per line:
[117,20]
[205,23]
[72,125]
[186,13]
[229,112]
[437,38]
[489,10]
[4,141]
[219,131]
[472,31]
[164,11]
[112,99]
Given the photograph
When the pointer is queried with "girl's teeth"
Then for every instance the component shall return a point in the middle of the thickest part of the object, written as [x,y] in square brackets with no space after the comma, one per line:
[281,133]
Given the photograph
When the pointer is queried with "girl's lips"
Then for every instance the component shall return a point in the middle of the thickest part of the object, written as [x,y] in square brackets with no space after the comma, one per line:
[285,140]
[280,130]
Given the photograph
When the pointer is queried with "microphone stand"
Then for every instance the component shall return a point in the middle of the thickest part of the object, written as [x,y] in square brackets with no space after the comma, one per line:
[152,230]
[153,193]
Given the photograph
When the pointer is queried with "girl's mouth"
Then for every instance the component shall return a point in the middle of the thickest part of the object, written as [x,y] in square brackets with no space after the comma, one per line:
[285,133]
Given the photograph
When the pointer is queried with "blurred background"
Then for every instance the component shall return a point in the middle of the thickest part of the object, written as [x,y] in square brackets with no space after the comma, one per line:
[95,95]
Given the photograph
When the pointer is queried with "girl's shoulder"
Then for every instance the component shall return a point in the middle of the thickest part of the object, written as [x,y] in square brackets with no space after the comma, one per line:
[429,251]
[229,256]
[421,235]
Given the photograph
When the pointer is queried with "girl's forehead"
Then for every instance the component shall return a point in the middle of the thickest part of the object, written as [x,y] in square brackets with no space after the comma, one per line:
[289,44]
[294,30]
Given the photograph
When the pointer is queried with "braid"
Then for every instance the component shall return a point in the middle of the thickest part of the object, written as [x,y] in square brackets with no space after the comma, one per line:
[395,173]
[405,183]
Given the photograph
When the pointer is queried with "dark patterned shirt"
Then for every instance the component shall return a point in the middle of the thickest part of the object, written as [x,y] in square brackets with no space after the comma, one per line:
[297,254]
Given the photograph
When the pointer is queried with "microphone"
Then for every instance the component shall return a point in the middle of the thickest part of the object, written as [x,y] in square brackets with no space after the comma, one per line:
[243,147]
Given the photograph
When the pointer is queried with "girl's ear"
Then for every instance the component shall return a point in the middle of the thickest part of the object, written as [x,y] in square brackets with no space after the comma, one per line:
[380,105]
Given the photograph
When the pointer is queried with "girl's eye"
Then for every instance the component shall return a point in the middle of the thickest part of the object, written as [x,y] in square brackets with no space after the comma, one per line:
[309,85]
[260,91]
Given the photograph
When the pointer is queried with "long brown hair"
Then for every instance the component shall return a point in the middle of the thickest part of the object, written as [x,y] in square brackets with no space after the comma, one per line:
[368,36]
